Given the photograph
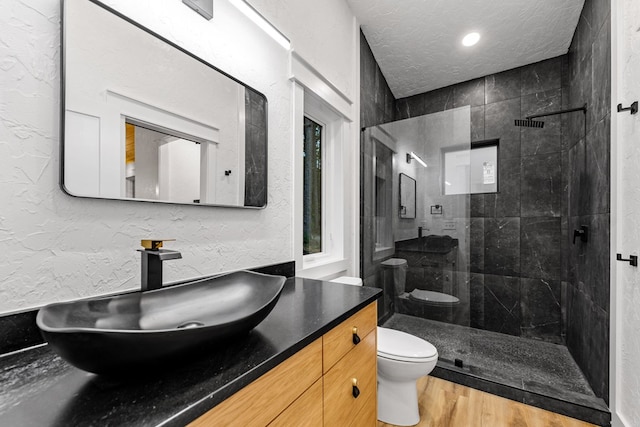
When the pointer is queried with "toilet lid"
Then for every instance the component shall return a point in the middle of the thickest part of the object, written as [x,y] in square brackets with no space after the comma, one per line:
[399,345]
[394,262]
[435,298]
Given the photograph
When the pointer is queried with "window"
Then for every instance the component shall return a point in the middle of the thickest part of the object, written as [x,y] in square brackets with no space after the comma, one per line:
[322,192]
[312,187]
[326,166]
[471,170]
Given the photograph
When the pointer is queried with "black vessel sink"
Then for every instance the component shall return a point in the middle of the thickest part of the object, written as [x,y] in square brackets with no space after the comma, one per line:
[140,330]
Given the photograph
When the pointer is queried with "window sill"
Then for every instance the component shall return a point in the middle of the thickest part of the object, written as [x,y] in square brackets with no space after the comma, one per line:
[322,267]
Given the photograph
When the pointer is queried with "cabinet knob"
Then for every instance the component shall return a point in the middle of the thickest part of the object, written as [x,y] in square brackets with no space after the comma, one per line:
[356,338]
[356,390]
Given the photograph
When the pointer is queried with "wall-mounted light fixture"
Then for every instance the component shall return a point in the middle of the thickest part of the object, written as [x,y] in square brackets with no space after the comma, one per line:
[417,158]
[203,7]
[261,22]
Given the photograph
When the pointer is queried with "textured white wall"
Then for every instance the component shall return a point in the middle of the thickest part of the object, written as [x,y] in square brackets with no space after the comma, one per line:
[54,247]
[626,219]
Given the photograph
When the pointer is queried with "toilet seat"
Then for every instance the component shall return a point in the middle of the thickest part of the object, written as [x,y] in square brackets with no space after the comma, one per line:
[434,298]
[394,262]
[398,345]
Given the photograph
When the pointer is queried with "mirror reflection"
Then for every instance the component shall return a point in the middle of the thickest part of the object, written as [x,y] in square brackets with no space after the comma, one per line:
[407,197]
[166,167]
[146,120]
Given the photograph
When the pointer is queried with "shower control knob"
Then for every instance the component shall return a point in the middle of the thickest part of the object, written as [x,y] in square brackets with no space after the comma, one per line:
[356,390]
[583,234]
[356,338]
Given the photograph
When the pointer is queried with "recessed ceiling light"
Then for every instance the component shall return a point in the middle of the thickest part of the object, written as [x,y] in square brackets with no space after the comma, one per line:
[471,39]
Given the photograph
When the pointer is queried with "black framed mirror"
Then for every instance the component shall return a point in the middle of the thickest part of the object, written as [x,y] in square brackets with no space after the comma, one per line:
[144,119]
[407,197]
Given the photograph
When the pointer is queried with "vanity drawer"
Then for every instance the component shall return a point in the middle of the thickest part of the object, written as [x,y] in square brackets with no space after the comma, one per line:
[338,341]
[368,415]
[264,399]
[306,411]
[341,408]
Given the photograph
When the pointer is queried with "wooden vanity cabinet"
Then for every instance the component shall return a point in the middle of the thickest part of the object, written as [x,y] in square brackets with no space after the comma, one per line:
[339,341]
[346,363]
[305,411]
[315,387]
[263,400]
[340,404]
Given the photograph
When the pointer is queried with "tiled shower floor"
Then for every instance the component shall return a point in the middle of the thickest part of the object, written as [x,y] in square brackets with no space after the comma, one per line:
[534,366]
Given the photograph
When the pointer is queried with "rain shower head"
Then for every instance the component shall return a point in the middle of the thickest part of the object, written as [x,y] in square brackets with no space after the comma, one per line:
[529,123]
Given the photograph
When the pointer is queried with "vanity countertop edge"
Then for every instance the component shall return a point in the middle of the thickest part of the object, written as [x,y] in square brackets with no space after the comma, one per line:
[38,388]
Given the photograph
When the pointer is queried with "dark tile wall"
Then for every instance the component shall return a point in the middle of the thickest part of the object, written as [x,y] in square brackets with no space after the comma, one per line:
[516,234]
[377,106]
[377,103]
[587,162]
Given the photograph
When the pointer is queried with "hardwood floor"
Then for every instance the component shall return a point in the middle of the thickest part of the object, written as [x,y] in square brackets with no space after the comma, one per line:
[446,404]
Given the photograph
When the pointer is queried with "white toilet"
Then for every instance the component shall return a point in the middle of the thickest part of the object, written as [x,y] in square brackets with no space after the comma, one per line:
[402,359]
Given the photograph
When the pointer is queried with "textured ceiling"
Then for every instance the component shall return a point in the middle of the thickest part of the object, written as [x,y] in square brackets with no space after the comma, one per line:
[418,42]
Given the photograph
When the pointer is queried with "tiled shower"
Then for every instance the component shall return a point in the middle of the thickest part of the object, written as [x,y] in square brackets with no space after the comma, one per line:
[526,278]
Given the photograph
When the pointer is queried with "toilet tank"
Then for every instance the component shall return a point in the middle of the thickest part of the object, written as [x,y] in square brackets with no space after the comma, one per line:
[395,274]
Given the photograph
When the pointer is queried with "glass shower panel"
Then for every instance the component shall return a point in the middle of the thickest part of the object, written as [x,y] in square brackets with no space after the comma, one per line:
[429,251]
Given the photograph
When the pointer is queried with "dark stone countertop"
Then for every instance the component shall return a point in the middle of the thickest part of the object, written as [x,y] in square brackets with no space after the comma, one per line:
[429,244]
[38,388]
